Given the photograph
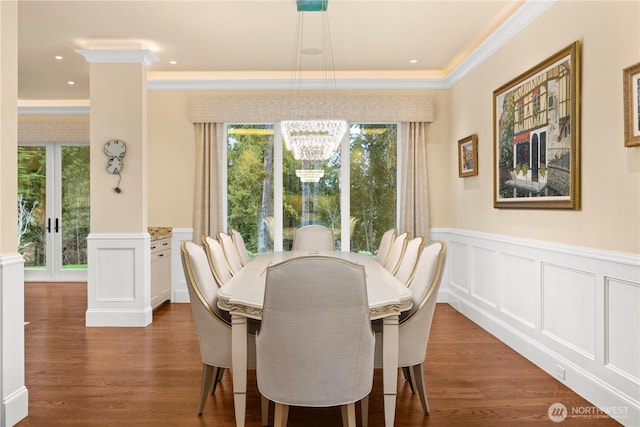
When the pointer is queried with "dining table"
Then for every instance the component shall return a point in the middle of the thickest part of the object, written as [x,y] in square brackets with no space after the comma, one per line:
[242,296]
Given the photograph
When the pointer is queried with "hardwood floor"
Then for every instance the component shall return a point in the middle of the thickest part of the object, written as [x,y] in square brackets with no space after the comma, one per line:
[79,376]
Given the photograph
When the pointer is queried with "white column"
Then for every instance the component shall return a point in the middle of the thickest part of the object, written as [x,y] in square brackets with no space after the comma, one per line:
[119,285]
[13,392]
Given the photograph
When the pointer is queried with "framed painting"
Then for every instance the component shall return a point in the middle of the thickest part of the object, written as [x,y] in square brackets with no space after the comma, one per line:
[536,135]
[468,156]
[631,83]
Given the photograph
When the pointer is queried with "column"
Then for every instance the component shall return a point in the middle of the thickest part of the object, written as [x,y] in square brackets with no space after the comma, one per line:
[119,286]
[14,394]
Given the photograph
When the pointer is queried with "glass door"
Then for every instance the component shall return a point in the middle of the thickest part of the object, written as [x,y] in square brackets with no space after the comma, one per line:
[53,211]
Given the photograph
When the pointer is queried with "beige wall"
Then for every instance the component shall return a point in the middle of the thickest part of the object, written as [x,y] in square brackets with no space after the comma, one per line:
[610,214]
[609,217]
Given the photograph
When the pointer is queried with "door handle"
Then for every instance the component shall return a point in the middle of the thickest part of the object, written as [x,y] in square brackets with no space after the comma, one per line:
[48,225]
[56,226]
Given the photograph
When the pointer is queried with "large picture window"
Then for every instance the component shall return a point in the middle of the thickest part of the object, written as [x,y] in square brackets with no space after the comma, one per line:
[270,194]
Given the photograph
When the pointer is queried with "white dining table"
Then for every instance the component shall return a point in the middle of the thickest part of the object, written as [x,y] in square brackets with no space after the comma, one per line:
[243,297]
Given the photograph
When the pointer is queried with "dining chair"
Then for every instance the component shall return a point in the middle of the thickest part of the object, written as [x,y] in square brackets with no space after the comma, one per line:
[230,252]
[212,325]
[385,245]
[315,346]
[415,324]
[396,252]
[409,260]
[217,261]
[314,238]
[238,241]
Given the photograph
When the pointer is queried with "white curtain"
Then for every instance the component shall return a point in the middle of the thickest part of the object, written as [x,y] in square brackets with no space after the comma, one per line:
[414,199]
[207,212]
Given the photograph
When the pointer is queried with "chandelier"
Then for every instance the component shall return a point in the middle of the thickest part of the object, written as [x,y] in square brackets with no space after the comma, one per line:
[309,175]
[312,139]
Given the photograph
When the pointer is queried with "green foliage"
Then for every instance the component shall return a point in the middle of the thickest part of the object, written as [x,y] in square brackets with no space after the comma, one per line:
[373,187]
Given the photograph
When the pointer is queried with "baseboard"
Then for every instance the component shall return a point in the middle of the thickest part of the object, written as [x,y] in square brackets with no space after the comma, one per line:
[118,317]
[15,407]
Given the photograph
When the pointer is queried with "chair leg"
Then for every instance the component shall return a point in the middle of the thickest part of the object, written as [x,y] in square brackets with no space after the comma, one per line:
[418,378]
[217,377]
[207,379]
[364,407]
[348,415]
[406,371]
[280,416]
[264,409]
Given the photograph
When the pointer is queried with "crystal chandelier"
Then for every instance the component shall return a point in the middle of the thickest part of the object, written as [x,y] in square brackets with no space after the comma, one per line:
[312,139]
[309,175]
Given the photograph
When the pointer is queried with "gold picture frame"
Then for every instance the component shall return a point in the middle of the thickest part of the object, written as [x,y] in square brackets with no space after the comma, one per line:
[631,88]
[468,156]
[536,136]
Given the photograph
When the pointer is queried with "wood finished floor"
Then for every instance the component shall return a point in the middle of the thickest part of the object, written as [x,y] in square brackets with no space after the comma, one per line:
[79,376]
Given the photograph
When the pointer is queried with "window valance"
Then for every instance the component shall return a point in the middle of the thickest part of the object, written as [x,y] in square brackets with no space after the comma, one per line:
[268,109]
[53,131]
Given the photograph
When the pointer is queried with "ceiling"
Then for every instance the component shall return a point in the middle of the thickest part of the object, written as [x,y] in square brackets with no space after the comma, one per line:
[231,43]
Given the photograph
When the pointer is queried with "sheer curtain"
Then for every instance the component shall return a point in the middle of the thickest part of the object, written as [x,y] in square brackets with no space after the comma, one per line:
[207,212]
[414,199]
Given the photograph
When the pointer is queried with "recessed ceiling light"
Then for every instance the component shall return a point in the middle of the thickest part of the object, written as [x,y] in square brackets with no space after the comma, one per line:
[58,57]
[413,61]
[70,83]
[173,62]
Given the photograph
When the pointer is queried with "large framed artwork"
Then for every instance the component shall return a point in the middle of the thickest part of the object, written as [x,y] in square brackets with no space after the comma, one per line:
[631,83]
[536,134]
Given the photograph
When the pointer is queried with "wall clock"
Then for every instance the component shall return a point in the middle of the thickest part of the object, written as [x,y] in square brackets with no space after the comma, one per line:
[115,149]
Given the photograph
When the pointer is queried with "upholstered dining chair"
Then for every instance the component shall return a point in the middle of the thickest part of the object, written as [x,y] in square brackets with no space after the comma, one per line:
[238,241]
[315,344]
[314,238]
[385,245]
[213,327]
[415,325]
[396,253]
[230,252]
[217,261]
[409,260]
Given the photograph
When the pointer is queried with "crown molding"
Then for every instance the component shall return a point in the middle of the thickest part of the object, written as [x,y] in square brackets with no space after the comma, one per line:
[118,56]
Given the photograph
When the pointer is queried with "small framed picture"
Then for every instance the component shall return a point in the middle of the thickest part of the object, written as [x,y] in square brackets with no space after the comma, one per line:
[468,156]
[631,83]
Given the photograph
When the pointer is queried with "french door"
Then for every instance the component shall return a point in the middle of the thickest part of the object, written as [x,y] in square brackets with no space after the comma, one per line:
[53,210]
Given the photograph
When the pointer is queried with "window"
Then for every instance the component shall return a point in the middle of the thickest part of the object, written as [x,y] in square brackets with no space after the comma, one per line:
[270,194]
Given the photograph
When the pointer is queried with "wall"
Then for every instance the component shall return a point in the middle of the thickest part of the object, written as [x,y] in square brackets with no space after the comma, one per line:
[610,172]
[560,287]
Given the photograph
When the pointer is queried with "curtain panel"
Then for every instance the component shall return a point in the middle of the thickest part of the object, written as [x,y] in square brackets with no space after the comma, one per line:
[414,193]
[207,210]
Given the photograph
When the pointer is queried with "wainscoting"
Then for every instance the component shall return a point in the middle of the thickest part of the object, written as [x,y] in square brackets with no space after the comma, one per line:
[574,312]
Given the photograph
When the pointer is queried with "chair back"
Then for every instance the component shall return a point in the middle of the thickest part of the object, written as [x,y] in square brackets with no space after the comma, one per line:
[415,326]
[315,346]
[409,260]
[230,252]
[217,261]
[385,245]
[314,238]
[396,253]
[214,330]
[238,240]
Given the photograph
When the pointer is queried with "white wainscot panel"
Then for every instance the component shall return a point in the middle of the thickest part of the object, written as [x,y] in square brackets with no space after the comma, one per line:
[623,328]
[519,288]
[569,308]
[459,266]
[484,283]
[116,284]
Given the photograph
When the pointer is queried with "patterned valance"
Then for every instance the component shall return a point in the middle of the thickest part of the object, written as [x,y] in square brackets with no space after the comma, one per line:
[269,109]
[53,131]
